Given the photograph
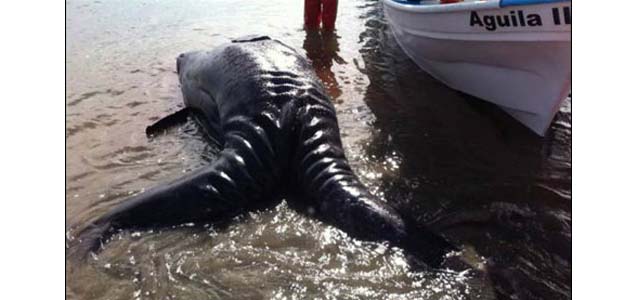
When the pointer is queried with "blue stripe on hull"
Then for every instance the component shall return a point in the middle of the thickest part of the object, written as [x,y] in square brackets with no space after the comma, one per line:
[412,2]
[505,3]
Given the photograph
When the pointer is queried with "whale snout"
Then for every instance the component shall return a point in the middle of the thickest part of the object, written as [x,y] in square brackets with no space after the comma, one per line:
[180,61]
[186,58]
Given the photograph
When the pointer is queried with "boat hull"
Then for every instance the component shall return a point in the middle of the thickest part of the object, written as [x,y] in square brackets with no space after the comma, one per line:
[526,70]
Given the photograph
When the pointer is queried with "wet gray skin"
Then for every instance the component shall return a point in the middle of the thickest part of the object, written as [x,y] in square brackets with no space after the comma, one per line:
[262,102]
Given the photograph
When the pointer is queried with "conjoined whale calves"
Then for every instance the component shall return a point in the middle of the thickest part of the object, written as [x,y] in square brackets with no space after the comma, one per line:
[279,135]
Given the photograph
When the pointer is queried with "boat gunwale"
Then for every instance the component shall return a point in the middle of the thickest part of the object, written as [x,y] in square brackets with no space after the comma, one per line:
[449,7]
[454,7]
[537,35]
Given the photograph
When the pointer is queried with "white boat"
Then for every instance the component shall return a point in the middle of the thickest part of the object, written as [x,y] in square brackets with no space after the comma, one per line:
[514,53]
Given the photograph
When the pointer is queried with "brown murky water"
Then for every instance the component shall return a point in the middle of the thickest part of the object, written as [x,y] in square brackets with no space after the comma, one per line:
[458,164]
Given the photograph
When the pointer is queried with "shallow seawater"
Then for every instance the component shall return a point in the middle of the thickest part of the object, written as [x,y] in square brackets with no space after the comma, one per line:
[458,164]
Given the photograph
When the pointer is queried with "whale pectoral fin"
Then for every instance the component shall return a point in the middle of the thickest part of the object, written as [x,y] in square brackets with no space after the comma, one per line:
[168,121]
[181,117]
[250,38]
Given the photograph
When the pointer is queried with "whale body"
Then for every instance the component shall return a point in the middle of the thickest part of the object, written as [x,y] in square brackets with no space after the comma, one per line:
[263,103]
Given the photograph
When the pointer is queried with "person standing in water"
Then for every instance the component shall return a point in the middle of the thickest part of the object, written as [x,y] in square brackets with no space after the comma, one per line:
[321,45]
[320,11]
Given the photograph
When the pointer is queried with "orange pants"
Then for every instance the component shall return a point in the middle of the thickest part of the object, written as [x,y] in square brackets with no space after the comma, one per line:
[316,11]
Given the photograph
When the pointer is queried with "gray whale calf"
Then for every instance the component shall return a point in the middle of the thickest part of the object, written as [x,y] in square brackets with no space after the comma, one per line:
[278,129]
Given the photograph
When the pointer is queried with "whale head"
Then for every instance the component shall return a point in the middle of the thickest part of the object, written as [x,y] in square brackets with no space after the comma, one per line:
[181,60]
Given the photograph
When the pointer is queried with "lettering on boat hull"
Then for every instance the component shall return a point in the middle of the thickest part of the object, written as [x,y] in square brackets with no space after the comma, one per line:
[560,16]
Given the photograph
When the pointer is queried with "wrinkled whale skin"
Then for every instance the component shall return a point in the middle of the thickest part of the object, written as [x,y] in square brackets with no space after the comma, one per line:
[279,134]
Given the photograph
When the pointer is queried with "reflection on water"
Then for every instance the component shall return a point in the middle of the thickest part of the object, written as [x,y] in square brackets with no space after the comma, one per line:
[457,164]
[473,172]
[322,50]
